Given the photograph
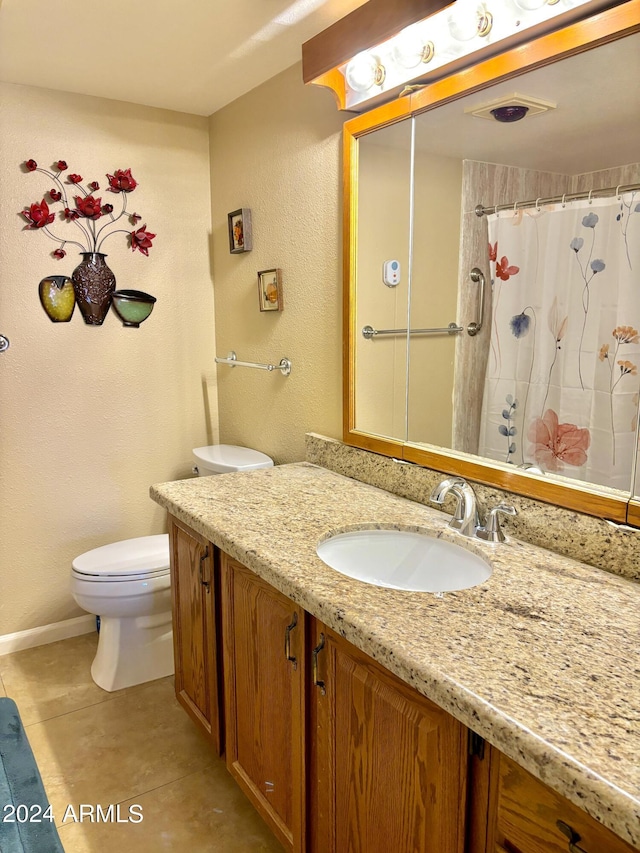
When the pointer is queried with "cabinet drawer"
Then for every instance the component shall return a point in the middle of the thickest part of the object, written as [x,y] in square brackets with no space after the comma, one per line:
[527,815]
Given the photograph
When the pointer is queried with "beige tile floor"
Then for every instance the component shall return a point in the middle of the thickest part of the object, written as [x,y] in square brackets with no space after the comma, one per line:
[132,747]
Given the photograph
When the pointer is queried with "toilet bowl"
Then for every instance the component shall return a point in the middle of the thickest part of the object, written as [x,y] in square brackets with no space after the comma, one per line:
[127,584]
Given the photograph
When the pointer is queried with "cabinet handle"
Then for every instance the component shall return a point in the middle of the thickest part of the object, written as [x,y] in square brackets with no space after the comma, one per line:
[287,641]
[572,835]
[314,665]
[205,584]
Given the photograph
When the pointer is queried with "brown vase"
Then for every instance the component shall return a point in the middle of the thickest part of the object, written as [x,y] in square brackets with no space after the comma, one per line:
[93,283]
[57,297]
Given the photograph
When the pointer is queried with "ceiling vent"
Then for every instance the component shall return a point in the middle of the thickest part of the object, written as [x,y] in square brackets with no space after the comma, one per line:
[534,105]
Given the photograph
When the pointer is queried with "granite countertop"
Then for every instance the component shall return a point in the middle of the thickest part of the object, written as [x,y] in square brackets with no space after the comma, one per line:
[541,660]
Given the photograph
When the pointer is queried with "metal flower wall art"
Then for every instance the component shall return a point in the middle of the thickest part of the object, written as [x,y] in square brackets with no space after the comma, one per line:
[89,223]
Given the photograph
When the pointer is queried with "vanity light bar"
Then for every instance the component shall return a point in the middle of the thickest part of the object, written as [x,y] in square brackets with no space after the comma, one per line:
[456,32]
[451,38]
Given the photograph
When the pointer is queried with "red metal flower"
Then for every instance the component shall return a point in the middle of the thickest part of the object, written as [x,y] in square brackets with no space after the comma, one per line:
[141,240]
[88,206]
[503,270]
[38,215]
[122,181]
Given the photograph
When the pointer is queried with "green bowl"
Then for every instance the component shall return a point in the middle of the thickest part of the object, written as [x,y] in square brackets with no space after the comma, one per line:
[132,306]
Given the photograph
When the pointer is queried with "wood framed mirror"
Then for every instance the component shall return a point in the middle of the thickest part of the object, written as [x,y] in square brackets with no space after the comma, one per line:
[399,160]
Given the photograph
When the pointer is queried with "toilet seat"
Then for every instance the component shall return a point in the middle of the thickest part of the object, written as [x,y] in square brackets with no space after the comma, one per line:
[143,558]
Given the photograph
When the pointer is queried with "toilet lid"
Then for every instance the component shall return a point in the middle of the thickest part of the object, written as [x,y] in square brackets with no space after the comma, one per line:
[225,458]
[146,556]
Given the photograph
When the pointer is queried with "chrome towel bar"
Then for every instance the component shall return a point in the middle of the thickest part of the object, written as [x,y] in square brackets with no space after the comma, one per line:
[369,332]
[476,275]
[232,360]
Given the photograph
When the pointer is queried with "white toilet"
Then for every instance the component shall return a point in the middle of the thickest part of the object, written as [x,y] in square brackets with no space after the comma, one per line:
[127,585]
[225,458]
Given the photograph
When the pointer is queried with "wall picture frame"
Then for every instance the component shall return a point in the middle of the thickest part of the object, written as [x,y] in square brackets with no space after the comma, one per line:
[270,290]
[240,234]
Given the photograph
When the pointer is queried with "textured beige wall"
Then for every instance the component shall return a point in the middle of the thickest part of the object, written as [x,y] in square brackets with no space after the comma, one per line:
[384,194]
[384,182]
[276,151]
[90,416]
[434,293]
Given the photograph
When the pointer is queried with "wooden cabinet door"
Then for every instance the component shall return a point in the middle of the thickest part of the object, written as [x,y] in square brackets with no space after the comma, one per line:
[526,816]
[388,766]
[263,639]
[195,643]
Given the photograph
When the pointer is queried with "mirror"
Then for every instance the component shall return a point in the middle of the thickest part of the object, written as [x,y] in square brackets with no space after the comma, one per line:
[420,173]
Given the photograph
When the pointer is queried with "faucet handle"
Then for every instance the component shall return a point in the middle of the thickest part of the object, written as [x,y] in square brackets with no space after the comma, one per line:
[492,532]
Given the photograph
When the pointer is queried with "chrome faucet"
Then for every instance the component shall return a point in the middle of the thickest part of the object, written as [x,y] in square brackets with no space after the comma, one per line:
[465,518]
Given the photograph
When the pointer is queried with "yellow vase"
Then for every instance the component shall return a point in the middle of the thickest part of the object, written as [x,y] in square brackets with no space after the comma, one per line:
[57,297]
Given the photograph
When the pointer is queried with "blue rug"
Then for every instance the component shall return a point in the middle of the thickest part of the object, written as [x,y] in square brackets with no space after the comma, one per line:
[25,824]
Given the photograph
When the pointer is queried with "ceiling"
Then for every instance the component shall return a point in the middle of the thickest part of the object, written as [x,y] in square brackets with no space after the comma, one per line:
[194,56]
[595,125]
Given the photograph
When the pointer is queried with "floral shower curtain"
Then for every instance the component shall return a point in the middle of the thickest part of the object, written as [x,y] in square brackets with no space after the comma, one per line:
[562,384]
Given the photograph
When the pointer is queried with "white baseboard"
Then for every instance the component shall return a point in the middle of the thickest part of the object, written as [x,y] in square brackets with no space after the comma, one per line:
[47,634]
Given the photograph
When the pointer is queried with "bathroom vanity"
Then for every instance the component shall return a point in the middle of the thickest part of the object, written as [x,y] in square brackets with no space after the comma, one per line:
[355,717]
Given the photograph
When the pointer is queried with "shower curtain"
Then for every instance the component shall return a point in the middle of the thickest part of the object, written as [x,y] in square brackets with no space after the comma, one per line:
[562,383]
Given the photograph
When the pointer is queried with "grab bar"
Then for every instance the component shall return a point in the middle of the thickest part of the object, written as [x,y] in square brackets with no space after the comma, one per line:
[232,360]
[477,276]
[369,332]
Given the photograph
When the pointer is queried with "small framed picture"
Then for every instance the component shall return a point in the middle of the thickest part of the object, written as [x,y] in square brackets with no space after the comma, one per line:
[270,290]
[240,239]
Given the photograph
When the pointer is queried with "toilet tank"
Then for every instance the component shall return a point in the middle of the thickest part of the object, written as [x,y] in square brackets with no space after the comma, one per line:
[225,458]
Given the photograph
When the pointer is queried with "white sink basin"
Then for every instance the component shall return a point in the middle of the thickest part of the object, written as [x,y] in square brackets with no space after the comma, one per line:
[400,559]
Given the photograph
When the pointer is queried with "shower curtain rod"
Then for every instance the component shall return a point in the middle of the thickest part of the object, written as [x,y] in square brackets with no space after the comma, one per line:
[536,202]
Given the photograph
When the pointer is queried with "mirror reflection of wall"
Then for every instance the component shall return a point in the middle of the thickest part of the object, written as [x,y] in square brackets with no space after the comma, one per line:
[384,228]
[436,241]
[589,140]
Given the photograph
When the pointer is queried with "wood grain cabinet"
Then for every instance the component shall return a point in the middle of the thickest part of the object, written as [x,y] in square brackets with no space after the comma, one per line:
[336,753]
[264,667]
[195,643]
[388,766]
[526,816]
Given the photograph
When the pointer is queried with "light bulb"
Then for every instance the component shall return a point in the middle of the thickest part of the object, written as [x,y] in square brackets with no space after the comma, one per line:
[469,18]
[410,47]
[529,5]
[363,72]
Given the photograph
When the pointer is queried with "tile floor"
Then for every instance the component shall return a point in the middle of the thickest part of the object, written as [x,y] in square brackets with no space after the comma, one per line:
[134,746]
